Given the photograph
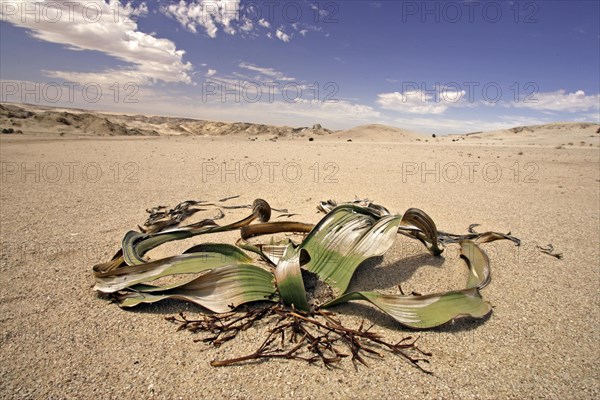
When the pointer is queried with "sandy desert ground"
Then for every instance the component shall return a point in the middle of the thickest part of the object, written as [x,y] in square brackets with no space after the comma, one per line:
[66,202]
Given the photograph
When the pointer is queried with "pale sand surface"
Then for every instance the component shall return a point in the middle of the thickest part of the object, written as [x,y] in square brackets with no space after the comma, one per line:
[59,340]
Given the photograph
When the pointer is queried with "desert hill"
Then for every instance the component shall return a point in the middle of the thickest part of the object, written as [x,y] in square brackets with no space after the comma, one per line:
[48,121]
[36,120]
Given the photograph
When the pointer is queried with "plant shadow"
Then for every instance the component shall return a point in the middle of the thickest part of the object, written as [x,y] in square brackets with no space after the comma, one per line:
[168,307]
[371,275]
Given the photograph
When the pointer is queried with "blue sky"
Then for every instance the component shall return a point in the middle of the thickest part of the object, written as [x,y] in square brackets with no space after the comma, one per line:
[429,66]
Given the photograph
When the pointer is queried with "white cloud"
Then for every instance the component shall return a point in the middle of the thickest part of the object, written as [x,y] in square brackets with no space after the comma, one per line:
[247,25]
[265,83]
[112,32]
[270,72]
[419,102]
[211,72]
[281,35]
[231,16]
[560,100]
[208,14]
[343,110]
[303,28]
[322,12]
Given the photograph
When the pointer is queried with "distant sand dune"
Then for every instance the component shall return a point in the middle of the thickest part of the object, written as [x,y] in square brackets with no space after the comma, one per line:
[556,134]
[377,132]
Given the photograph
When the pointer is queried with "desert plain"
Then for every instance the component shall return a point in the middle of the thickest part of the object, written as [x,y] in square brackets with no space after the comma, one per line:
[73,183]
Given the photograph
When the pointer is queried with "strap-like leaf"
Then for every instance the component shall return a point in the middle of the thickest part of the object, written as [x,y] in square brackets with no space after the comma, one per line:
[422,312]
[343,239]
[219,290]
[249,231]
[435,309]
[478,263]
[217,255]
[289,279]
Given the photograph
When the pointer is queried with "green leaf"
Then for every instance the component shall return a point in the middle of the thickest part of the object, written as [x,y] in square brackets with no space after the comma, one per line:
[219,290]
[194,262]
[436,309]
[343,239]
[478,263]
[289,279]
[422,312]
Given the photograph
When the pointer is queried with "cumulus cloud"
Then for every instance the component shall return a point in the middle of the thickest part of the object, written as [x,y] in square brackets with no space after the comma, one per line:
[247,25]
[108,28]
[420,102]
[560,100]
[281,35]
[231,16]
[211,72]
[210,15]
